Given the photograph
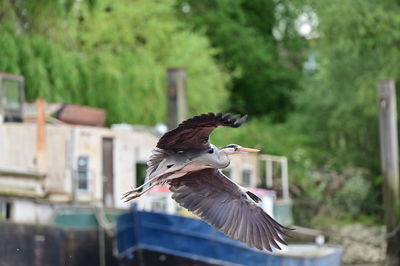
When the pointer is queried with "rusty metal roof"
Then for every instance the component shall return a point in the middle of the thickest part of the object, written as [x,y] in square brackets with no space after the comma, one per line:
[81,115]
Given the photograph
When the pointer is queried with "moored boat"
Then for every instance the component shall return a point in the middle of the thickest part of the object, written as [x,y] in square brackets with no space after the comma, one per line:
[150,238]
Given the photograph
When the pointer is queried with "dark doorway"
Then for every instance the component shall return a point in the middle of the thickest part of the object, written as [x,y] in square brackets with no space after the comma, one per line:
[108,172]
[5,210]
[140,173]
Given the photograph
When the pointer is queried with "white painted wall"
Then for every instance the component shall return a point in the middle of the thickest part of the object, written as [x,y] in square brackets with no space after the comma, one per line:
[58,173]
[124,166]
[23,211]
[28,211]
[18,146]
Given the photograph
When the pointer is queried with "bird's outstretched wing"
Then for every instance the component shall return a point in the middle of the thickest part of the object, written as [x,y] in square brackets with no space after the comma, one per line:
[223,204]
[194,133]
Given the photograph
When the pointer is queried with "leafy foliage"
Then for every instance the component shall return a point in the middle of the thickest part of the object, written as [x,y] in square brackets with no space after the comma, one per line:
[82,58]
[340,99]
[266,72]
[338,106]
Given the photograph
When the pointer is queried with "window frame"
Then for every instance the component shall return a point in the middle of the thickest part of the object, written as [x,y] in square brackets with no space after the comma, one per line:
[79,171]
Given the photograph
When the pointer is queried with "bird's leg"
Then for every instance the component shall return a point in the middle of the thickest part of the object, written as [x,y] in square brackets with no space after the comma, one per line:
[135,190]
[141,186]
[132,194]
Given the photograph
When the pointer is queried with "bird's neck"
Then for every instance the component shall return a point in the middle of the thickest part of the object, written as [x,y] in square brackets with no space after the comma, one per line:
[223,159]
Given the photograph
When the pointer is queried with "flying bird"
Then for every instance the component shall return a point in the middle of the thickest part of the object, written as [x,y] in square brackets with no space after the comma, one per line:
[185,159]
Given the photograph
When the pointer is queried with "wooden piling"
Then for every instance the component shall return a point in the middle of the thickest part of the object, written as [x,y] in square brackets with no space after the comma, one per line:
[390,168]
[176,90]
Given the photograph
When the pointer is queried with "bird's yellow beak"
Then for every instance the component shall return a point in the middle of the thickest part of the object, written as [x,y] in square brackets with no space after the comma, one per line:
[248,150]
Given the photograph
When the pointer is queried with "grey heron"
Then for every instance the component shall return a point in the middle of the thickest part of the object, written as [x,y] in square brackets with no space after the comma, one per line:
[186,161]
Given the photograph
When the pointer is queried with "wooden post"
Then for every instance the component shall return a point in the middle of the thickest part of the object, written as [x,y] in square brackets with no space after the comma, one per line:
[268,172]
[41,135]
[285,179]
[390,167]
[176,96]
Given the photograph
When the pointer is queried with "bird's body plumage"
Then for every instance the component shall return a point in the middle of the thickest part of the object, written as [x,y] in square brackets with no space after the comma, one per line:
[163,163]
[186,161]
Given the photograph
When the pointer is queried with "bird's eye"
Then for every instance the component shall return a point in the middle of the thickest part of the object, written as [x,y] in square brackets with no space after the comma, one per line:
[211,151]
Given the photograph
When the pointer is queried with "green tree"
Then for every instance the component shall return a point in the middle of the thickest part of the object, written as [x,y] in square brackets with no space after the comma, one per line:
[266,71]
[109,54]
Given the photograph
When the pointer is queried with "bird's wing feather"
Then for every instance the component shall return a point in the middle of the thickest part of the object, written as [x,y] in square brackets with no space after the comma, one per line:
[194,133]
[223,204]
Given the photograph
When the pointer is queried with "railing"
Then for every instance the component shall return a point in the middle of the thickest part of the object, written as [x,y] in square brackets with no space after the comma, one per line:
[284,176]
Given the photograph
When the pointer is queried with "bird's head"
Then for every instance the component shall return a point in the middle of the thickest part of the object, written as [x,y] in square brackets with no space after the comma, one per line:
[234,149]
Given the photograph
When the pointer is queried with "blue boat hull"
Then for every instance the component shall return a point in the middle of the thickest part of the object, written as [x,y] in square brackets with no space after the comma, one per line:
[146,238]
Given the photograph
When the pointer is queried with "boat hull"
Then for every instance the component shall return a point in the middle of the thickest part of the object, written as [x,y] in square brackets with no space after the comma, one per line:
[147,238]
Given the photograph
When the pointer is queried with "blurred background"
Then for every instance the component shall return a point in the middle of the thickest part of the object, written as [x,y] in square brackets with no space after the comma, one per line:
[87,88]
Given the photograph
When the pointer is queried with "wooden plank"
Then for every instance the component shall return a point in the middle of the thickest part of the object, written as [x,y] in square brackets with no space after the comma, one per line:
[285,179]
[390,167]
[268,172]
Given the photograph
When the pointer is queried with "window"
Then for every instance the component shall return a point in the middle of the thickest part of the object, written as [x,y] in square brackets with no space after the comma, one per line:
[11,97]
[140,173]
[5,210]
[83,173]
[11,93]
[246,177]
